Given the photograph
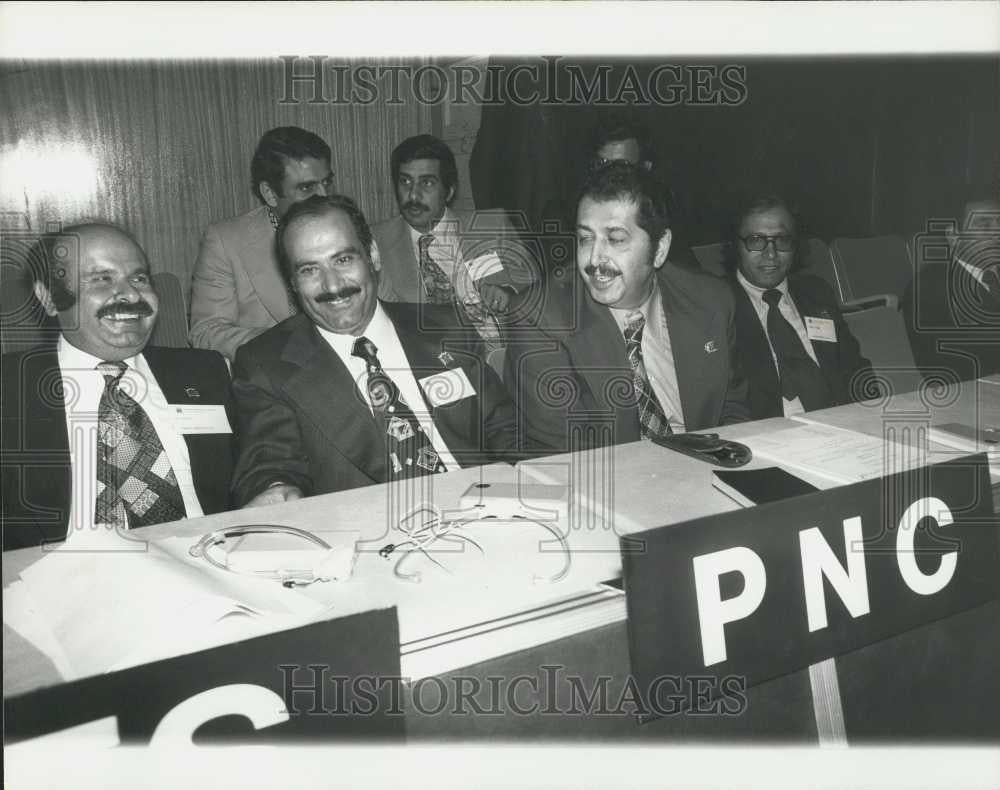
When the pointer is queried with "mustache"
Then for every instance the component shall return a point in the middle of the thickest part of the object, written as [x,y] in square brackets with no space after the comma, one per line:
[605,271]
[415,204]
[343,293]
[139,309]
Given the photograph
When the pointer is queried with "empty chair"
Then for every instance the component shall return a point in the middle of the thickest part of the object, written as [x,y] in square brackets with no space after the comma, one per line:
[171,328]
[872,267]
[881,332]
[710,258]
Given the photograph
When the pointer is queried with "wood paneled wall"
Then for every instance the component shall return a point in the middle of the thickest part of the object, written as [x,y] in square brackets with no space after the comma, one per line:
[164,148]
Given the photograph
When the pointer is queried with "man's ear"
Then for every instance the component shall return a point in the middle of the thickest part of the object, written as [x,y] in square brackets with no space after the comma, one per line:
[451,195]
[662,249]
[42,295]
[376,256]
[269,195]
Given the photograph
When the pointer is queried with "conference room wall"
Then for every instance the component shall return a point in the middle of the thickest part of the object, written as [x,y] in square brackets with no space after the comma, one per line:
[864,146]
[164,148]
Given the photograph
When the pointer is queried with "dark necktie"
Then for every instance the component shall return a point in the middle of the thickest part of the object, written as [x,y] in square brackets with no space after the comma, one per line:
[409,450]
[800,377]
[436,282]
[135,482]
[652,421]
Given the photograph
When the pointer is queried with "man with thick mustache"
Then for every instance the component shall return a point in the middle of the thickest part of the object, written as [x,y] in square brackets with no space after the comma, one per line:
[101,428]
[354,391]
[434,254]
[642,348]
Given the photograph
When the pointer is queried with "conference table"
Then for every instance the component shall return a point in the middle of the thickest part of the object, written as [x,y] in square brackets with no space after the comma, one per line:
[500,624]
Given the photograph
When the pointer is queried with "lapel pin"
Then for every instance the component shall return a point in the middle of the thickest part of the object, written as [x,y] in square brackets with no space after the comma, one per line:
[446,358]
[710,347]
[192,392]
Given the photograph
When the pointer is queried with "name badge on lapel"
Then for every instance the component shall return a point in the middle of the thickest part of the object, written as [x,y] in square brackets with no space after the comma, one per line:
[447,387]
[484,265]
[821,329]
[200,419]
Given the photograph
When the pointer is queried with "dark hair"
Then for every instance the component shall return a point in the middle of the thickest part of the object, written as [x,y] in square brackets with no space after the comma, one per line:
[983,192]
[752,205]
[318,206]
[426,146]
[276,148]
[621,181]
[618,127]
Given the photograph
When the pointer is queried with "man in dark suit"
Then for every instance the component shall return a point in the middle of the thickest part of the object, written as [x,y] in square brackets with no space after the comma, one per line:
[237,290]
[792,341]
[635,347]
[952,306]
[354,391]
[101,428]
[434,254]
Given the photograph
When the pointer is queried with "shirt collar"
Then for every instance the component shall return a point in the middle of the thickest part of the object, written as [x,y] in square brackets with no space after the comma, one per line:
[646,308]
[758,293]
[444,229]
[975,272]
[379,331]
[73,358]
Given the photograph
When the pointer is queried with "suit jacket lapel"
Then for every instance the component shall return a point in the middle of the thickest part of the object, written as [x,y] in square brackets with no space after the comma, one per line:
[324,388]
[262,267]
[401,263]
[826,353]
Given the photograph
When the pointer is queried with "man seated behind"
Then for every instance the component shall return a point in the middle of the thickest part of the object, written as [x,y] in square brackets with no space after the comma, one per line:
[237,290]
[793,343]
[354,391]
[643,348]
[98,429]
[952,306]
[434,254]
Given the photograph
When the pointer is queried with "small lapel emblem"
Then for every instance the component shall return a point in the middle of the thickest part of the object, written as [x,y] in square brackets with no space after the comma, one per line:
[192,392]
[446,358]
[710,347]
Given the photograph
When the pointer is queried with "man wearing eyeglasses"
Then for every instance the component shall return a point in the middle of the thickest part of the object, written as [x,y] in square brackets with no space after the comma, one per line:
[791,338]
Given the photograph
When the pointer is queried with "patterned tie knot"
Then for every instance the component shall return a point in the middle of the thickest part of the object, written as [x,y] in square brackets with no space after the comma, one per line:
[772,296]
[635,322]
[365,349]
[112,371]
[425,241]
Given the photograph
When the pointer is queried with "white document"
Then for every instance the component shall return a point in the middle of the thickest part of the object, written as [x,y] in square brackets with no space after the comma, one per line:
[837,454]
[106,608]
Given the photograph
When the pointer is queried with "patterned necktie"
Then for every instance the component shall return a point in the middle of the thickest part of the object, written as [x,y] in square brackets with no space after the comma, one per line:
[800,376]
[293,304]
[436,282]
[652,421]
[409,450]
[136,485]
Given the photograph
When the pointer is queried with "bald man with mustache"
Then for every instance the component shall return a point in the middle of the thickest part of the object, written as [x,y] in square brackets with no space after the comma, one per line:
[100,428]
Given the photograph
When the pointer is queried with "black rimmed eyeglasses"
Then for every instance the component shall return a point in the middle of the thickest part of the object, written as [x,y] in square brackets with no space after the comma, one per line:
[757,242]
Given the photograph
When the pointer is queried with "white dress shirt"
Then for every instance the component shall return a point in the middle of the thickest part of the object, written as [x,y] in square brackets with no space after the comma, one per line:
[391,356]
[787,308]
[657,355]
[83,386]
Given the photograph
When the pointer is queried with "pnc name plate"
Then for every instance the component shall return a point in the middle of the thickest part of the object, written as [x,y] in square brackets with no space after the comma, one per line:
[765,591]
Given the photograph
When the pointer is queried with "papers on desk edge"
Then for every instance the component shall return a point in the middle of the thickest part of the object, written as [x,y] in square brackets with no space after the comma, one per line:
[97,608]
[840,455]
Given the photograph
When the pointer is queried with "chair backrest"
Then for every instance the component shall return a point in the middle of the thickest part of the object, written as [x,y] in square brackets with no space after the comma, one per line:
[710,258]
[818,260]
[872,266]
[171,328]
[881,332]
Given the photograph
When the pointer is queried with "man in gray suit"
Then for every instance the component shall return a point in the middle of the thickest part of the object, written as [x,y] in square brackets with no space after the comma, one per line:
[238,290]
[434,254]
